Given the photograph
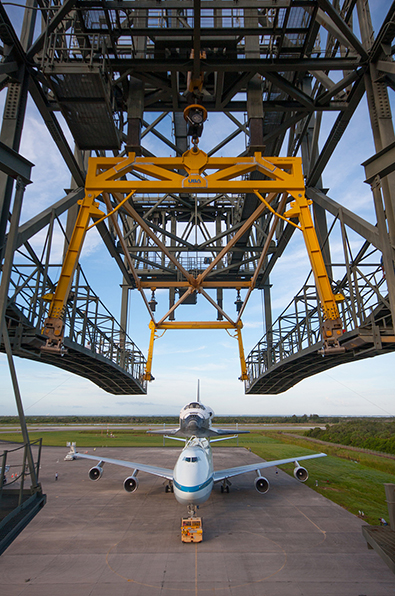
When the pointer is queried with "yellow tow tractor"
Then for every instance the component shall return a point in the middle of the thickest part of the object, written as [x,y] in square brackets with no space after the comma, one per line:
[191,529]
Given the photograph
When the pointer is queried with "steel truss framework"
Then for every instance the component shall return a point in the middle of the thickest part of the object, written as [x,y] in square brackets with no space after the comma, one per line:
[278,176]
[116,71]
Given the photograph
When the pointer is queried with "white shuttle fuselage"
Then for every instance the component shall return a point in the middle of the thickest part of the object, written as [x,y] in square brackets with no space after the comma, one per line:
[195,420]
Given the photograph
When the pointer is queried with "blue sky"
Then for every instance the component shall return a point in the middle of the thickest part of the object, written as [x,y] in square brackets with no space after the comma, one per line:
[182,357]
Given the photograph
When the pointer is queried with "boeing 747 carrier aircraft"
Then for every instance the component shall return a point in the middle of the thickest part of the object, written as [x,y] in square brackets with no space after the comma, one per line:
[193,476]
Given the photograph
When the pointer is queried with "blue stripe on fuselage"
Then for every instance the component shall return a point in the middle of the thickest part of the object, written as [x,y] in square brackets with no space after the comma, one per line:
[193,489]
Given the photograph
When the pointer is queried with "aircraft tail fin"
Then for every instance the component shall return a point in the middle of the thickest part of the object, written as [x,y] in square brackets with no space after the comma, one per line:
[198,392]
[71,454]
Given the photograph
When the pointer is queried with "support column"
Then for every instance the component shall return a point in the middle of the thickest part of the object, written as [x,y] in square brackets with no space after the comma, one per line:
[254,87]
[380,115]
[13,119]
[135,115]
[172,291]
[268,320]
[180,132]
[220,292]
[255,121]
[5,282]
[9,251]
[124,320]
[387,250]
[182,143]
[11,131]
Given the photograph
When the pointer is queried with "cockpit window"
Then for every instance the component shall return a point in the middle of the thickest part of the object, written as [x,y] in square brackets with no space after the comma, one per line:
[191,459]
[196,405]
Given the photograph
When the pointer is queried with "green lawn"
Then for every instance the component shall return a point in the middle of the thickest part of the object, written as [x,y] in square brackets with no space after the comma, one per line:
[93,438]
[355,486]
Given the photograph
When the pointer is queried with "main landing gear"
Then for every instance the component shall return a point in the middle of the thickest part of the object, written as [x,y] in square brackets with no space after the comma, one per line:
[169,487]
[225,486]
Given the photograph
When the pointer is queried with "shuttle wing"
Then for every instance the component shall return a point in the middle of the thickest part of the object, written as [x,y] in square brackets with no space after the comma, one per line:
[166,431]
[219,432]
[222,474]
[156,471]
[207,433]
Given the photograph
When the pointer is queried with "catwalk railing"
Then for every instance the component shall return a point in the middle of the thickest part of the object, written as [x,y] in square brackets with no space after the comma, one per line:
[88,322]
[14,469]
[21,496]
[298,328]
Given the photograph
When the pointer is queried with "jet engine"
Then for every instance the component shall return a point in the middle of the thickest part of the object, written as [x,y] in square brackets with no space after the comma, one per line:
[262,484]
[131,484]
[96,473]
[300,473]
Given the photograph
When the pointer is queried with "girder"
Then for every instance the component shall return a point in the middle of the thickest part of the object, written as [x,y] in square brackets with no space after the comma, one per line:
[119,71]
[204,175]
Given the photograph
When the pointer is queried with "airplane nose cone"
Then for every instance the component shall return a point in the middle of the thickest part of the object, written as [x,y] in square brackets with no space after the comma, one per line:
[192,425]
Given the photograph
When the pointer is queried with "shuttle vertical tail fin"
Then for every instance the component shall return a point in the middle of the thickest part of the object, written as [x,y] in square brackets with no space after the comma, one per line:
[198,392]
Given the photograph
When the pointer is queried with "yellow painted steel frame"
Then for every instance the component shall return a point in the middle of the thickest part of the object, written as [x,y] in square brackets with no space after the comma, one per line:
[332,325]
[54,324]
[204,174]
[208,175]
[195,325]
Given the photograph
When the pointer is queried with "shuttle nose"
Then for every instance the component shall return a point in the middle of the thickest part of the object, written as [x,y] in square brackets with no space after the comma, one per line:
[192,425]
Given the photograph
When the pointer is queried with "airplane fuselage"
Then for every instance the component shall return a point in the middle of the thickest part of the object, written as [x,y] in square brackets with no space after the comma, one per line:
[193,473]
[193,476]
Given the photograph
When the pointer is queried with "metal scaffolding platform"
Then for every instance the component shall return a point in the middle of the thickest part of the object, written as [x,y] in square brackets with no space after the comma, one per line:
[375,338]
[85,101]
[95,346]
[118,72]
[19,503]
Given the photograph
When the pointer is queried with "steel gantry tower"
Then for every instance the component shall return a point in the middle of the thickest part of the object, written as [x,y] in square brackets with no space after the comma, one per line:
[197,222]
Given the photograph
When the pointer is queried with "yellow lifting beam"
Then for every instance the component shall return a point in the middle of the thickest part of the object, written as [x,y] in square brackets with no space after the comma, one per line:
[211,176]
[237,327]
[204,174]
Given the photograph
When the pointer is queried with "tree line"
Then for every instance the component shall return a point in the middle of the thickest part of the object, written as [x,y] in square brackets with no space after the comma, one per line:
[49,419]
[375,434]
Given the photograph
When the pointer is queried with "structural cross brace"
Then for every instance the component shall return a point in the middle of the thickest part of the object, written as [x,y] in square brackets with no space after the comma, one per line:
[195,172]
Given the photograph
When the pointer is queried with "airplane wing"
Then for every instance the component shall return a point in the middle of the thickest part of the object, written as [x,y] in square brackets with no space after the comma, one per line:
[228,473]
[164,431]
[156,471]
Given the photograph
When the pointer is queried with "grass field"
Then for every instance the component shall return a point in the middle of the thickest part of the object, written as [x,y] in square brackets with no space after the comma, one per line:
[352,480]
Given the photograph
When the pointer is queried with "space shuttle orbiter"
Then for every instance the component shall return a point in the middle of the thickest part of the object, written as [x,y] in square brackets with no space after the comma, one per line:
[195,421]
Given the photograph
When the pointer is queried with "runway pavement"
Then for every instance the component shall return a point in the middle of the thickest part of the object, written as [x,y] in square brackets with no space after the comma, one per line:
[94,539]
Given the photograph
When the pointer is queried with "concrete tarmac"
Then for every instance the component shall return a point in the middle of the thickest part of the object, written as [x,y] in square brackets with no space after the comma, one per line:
[94,539]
